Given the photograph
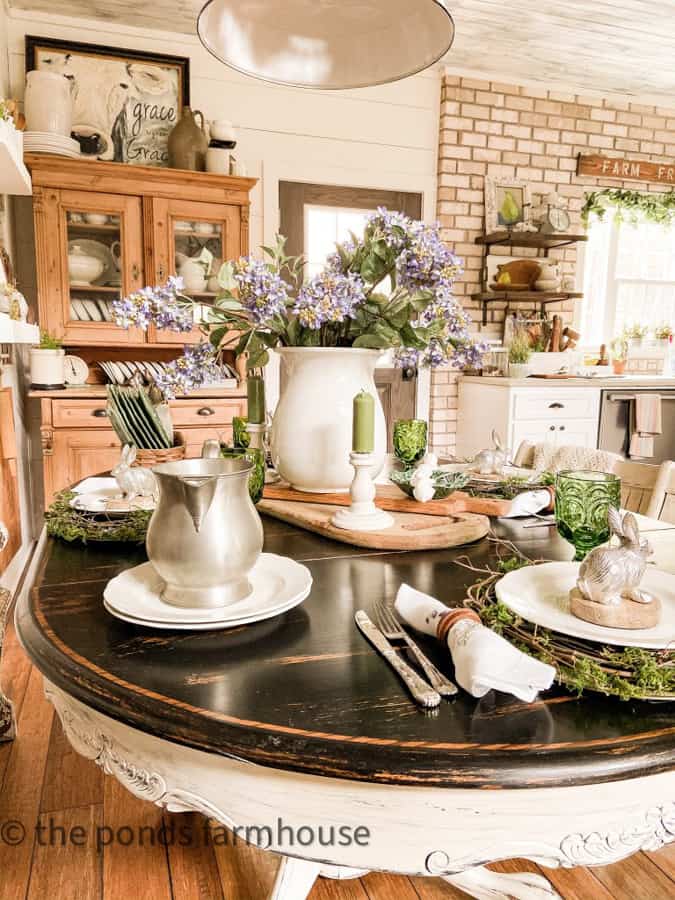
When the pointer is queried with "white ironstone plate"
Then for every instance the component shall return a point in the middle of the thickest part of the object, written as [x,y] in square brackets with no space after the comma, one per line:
[279,584]
[540,594]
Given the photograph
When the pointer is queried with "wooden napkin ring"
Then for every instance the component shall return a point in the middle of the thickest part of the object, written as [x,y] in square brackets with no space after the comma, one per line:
[450,619]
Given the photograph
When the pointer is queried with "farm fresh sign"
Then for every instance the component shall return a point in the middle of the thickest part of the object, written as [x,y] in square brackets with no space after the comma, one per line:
[596,166]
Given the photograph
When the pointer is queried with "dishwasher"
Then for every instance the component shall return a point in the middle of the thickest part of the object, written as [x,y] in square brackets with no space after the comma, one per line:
[616,422]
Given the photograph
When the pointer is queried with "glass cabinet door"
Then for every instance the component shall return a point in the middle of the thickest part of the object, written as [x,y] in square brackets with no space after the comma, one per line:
[103,249]
[201,236]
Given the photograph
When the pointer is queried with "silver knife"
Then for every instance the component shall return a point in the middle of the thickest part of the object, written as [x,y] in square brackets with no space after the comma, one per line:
[420,690]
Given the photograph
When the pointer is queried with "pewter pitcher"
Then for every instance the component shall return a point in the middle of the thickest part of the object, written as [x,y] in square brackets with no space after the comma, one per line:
[205,534]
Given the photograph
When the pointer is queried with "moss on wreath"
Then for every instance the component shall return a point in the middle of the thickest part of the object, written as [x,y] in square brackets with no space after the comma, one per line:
[69,525]
[630,673]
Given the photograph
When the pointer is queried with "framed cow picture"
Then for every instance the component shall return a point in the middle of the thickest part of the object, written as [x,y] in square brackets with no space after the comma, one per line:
[125,102]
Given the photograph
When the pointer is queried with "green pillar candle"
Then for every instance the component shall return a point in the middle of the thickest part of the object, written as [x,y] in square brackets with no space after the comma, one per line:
[363,428]
[255,392]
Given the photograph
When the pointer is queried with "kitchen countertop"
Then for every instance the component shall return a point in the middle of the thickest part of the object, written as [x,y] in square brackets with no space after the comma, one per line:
[618,381]
[97,391]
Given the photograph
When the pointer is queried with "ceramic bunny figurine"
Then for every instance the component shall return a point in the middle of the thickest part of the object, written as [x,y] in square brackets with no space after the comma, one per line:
[136,482]
[491,462]
[610,573]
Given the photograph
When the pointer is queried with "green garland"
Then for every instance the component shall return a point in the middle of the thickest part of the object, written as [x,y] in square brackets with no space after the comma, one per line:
[630,206]
[68,524]
[629,673]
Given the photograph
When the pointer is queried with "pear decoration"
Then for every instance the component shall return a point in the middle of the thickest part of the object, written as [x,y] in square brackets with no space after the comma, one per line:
[509,210]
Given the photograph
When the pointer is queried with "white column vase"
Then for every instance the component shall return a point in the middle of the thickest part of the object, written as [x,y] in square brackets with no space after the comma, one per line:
[312,427]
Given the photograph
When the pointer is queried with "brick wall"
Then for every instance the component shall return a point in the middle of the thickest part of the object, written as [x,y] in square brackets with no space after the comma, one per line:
[534,135]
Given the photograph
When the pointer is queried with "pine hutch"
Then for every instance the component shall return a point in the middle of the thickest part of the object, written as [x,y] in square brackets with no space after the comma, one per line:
[142,222]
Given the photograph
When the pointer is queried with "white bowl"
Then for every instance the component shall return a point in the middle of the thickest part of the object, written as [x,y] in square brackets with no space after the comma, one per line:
[84,269]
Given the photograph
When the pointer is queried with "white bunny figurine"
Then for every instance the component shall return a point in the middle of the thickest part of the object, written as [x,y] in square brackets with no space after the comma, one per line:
[136,482]
[609,574]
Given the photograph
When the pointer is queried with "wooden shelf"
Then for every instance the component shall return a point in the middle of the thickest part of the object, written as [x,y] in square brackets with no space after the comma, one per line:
[543,298]
[85,226]
[537,239]
[94,288]
[14,176]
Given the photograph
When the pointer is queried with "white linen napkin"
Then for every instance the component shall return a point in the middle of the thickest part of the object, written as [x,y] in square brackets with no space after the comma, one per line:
[483,660]
[528,503]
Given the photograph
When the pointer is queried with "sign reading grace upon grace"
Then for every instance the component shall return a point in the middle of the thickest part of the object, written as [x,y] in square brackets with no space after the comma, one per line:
[630,169]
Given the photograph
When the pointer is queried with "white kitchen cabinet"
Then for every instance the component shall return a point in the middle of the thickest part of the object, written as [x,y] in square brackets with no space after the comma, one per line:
[539,412]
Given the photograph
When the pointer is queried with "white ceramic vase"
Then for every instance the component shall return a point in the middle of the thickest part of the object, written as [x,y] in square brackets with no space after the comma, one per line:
[312,428]
[48,103]
[47,368]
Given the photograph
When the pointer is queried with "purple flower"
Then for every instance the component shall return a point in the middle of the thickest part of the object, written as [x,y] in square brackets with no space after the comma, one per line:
[195,367]
[426,261]
[329,297]
[261,291]
[163,306]
[392,227]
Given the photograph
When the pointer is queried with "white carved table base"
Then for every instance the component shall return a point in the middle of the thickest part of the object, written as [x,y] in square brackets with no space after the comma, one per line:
[446,832]
[7,722]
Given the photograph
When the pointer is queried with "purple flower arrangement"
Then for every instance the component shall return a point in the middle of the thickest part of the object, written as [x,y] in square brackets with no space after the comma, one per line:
[164,306]
[345,305]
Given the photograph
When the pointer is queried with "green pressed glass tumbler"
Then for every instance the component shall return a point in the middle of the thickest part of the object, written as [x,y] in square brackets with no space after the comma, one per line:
[582,502]
[256,480]
[410,440]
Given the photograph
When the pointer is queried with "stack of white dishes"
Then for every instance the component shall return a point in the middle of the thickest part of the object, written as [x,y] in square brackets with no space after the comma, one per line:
[46,142]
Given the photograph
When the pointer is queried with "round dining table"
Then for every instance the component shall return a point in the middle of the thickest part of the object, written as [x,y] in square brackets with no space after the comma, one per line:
[298,735]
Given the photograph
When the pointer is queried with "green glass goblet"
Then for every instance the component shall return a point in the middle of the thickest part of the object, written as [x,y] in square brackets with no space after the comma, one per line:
[256,480]
[582,502]
[410,440]
[241,437]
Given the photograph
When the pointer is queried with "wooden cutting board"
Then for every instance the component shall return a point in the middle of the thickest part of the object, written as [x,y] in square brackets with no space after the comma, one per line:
[410,531]
[392,499]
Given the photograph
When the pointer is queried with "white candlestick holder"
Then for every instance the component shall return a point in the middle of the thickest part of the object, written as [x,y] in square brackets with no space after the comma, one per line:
[257,434]
[362,515]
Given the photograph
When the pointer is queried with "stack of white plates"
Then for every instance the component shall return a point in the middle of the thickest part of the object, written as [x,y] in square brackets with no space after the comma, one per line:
[45,142]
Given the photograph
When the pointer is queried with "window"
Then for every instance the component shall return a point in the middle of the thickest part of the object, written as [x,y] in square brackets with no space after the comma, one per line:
[629,277]
[326,226]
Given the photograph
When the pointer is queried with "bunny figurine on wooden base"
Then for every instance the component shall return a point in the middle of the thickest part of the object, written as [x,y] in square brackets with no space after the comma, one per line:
[608,587]
[133,482]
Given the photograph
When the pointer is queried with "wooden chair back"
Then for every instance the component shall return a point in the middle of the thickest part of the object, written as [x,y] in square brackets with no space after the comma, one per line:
[662,505]
[637,484]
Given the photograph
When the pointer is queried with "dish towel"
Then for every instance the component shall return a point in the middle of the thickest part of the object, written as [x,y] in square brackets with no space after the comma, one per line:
[483,660]
[646,423]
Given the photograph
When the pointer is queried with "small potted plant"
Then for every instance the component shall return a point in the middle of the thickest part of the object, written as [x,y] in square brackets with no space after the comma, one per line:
[635,334]
[619,350]
[520,354]
[664,334]
[47,371]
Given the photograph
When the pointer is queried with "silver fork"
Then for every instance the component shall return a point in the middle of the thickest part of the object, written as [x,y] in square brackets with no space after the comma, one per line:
[394,631]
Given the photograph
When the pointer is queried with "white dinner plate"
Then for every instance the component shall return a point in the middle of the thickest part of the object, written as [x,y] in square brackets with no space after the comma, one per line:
[540,594]
[99,501]
[278,583]
[93,310]
[80,309]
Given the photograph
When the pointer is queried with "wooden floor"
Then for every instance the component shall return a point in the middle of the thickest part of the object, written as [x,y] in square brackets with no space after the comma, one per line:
[43,781]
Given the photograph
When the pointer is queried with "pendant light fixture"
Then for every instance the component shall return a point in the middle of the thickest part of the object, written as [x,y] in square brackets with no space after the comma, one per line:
[327,44]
